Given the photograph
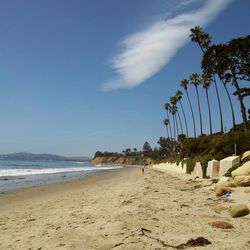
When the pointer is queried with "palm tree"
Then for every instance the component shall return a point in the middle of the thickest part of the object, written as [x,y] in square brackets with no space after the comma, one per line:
[199,36]
[184,84]
[167,107]
[204,40]
[206,80]
[196,81]
[179,97]
[173,101]
[166,123]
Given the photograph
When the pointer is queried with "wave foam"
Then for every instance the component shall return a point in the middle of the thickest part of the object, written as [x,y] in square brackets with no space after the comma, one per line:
[31,171]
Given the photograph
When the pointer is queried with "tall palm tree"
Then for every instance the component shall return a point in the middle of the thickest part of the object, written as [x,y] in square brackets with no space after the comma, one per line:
[195,80]
[179,97]
[173,101]
[184,84]
[167,107]
[199,36]
[206,81]
[203,39]
[166,123]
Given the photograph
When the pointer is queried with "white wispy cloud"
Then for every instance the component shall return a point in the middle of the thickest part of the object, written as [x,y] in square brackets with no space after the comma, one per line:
[145,53]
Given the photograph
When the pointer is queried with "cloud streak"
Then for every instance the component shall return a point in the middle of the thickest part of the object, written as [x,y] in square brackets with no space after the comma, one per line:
[145,53]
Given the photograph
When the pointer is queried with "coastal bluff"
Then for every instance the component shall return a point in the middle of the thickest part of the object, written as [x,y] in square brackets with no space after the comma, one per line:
[122,160]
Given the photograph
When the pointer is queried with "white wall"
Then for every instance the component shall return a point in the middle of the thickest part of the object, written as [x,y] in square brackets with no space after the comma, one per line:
[171,167]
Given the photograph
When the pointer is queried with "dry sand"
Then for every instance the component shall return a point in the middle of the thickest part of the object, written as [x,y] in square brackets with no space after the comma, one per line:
[110,211]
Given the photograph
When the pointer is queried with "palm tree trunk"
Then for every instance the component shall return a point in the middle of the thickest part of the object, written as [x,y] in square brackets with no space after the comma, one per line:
[203,51]
[209,112]
[174,127]
[170,126]
[218,99]
[242,106]
[185,120]
[177,128]
[199,107]
[167,131]
[191,112]
[180,121]
[231,105]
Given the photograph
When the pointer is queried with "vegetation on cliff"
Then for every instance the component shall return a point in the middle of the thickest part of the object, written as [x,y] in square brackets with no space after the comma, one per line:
[202,149]
[127,157]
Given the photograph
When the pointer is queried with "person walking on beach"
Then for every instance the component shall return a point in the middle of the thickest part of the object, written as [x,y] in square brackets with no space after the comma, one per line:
[142,169]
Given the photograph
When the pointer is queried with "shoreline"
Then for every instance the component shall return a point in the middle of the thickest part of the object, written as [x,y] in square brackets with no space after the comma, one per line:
[110,210]
[11,183]
[62,186]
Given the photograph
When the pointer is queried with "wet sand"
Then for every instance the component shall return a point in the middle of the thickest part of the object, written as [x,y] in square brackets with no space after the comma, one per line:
[122,209]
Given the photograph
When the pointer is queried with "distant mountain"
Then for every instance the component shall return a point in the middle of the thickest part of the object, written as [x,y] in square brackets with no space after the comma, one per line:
[41,157]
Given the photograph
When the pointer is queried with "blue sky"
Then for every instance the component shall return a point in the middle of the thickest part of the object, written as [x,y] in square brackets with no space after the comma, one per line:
[86,75]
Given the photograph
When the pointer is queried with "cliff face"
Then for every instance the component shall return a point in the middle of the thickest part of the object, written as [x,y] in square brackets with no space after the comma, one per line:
[122,160]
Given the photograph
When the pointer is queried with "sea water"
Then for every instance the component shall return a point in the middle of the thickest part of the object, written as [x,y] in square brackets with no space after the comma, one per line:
[16,174]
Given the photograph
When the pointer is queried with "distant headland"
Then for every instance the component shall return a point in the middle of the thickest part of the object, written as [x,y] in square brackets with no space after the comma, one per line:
[39,157]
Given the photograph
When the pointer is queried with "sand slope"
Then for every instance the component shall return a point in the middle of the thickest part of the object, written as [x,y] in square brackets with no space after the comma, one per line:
[119,210]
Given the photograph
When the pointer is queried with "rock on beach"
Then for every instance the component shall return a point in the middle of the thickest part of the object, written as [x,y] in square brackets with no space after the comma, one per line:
[239,211]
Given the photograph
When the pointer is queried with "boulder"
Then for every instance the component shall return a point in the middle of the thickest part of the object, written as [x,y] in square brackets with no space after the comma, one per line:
[242,181]
[221,189]
[221,224]
[246,155]
[239,210]
[243,170]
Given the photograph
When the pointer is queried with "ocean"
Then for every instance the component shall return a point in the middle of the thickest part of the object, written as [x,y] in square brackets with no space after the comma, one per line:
[15,174]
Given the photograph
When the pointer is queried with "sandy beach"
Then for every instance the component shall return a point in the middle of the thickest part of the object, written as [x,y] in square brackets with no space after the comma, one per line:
[122,209]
